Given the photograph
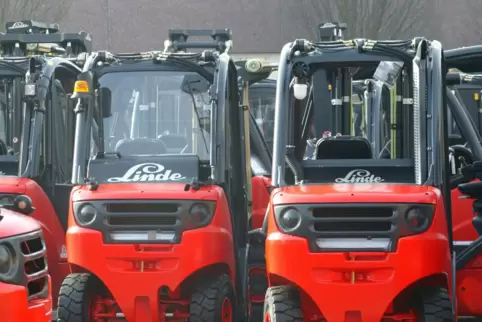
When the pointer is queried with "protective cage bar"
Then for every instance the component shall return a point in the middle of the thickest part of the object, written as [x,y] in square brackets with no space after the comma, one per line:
[178,39]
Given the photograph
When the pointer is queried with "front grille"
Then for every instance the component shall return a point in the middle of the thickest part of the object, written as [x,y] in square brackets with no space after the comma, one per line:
[357,219]
[35,267]
[142,220]
[155,207]
[7,198]
[141,214]
[29,255]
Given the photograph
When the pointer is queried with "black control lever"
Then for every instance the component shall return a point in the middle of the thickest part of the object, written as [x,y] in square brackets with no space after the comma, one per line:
[472,190]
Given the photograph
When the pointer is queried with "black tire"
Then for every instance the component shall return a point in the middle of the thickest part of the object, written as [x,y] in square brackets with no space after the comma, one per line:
[283,304]
[74,297]
[257,308]
[436,306]
[208,299]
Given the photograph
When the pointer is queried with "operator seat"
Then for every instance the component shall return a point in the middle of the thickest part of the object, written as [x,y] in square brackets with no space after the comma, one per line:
[176,142]
[141,147]
[343,147]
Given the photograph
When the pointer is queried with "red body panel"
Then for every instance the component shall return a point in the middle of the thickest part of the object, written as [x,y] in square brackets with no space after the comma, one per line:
[260,191]
[321,275]
[118,265]
[469,278]
[15,307]
[13,223]
[53,231]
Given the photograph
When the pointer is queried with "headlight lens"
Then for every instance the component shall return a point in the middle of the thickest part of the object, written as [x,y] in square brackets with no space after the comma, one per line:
[86,214]
[6,260]
[417,220]
[200,214]
[290,219]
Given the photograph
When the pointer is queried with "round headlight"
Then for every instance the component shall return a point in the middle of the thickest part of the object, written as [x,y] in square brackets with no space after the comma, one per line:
[199,213]
[416,219]
[290,219]
[87,215]
[6,259]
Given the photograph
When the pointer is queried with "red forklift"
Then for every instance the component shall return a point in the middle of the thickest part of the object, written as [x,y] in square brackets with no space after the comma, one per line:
[372,231]
[161,189]
[25,285]
[464,150]
[37,72]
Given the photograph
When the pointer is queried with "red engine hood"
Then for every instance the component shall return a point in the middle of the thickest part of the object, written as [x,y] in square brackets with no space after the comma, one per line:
[12,185]
[145,191]
[12,223]
[352,193]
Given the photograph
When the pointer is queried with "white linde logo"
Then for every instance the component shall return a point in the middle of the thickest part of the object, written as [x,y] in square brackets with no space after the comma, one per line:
[148,172]
[18,25]
[359,176]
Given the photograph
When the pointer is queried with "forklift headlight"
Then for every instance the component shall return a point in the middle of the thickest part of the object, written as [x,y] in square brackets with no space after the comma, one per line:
[86,215]
[7,260]
[290,219]
[418,219]
[201,214]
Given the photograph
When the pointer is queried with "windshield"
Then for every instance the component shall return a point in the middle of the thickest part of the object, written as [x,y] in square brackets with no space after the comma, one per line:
[261,104]
[157,113]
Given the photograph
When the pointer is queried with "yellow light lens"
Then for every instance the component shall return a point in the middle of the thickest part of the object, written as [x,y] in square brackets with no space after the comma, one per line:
[476,96]
[81,87]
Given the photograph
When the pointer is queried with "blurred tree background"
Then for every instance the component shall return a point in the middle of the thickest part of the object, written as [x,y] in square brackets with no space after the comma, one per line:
[259,26]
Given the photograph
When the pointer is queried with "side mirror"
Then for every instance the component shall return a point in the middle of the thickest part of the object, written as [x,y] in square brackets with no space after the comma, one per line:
[104,100]
[21,204]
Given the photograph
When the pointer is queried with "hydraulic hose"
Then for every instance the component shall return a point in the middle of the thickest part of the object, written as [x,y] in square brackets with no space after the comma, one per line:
[293,164]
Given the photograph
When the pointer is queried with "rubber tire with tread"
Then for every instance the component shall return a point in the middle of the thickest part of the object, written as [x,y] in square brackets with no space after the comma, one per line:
[436,306]
[207,300]
[256,259]
[283,304]
[74,297]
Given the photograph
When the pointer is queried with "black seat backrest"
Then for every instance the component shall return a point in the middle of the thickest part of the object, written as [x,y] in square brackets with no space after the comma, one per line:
[141,147]
[343,147]
[174,141]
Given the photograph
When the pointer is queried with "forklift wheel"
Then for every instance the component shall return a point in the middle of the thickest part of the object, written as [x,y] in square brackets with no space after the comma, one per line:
[76,296]
[436,306]
[282,304]
[213,301]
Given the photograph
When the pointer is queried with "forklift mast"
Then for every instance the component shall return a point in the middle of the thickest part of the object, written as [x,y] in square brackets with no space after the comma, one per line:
[335,102]
[20,40]
[28,37]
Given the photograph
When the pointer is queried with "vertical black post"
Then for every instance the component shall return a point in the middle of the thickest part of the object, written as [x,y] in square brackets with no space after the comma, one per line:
[322,103]
[16,105]
[337,102]
[397,120]
[346,106]
[407,116]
